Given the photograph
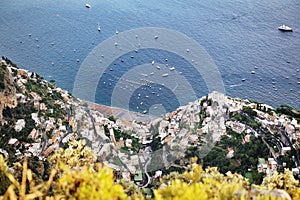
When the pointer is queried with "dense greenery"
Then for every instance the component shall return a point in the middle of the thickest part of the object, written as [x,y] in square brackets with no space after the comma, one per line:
[288,110]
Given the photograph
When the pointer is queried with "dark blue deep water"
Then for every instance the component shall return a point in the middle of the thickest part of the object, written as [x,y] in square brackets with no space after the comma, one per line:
[54,37]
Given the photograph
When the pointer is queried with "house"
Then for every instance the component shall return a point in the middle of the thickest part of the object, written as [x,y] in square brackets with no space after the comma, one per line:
[20,124]
[13,141]
[33,134]
[35,96]
[138,177]
[230,153]
[284,150]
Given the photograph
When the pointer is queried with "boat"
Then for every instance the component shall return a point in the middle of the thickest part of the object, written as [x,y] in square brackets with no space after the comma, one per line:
[172,68]
[87,5]
[252,72]
[152,62]
[285,28]
[157,67]
[99,28]
[165,75]
[243,79]
[117,32]
[156,37]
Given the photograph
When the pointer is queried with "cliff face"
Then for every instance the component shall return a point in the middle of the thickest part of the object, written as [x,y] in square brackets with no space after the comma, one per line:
[8,96]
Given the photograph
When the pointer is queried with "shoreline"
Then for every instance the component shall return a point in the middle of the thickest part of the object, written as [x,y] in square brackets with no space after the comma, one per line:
[120,113]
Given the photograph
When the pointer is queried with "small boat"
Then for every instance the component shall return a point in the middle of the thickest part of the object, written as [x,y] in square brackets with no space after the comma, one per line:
[172,68]
[87,5]
[99,28]
[285,28]
[157,67]
[252,72]
[243,79]
[156,37]
[117,32]
[152,62]
[165,75]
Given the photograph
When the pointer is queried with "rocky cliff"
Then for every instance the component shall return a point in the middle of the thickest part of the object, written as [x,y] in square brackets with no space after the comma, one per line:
[8,96]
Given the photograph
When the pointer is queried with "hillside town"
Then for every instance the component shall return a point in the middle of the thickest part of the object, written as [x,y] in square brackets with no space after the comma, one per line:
[136,148]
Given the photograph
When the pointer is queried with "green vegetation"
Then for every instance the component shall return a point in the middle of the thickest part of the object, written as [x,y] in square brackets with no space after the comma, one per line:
[288,110]
[2,85]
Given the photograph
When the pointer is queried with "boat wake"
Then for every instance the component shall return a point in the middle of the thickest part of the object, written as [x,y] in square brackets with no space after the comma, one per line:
[235,85]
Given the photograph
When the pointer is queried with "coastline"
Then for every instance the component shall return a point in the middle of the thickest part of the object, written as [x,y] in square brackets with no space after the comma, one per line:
[120,113]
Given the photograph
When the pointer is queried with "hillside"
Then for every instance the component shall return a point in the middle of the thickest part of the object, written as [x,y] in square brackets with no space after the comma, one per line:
[41,125]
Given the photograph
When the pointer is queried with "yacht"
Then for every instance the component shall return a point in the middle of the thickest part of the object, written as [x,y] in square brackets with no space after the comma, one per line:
[157,67]
[87,5]
[165,75]
[152,62]
[99,28]
[172,68]
[285,28]
[117,32]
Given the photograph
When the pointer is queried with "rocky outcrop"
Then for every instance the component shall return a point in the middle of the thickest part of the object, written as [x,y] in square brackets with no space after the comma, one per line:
[8,96]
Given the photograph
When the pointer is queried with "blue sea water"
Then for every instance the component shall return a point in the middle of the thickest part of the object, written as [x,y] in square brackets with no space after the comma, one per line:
[240,36]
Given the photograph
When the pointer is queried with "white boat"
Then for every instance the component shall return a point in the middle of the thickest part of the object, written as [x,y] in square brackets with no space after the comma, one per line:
[87,5]
[157,67]
[165,75]
[172,68]
[285,28]
[153,62]
[252,72]
[99,28]
[156,37]
[117,32]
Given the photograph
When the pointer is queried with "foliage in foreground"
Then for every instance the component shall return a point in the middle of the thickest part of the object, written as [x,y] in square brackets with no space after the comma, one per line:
[89,180]
[211,184]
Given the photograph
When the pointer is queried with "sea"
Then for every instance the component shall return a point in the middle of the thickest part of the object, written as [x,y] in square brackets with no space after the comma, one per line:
[245,53]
